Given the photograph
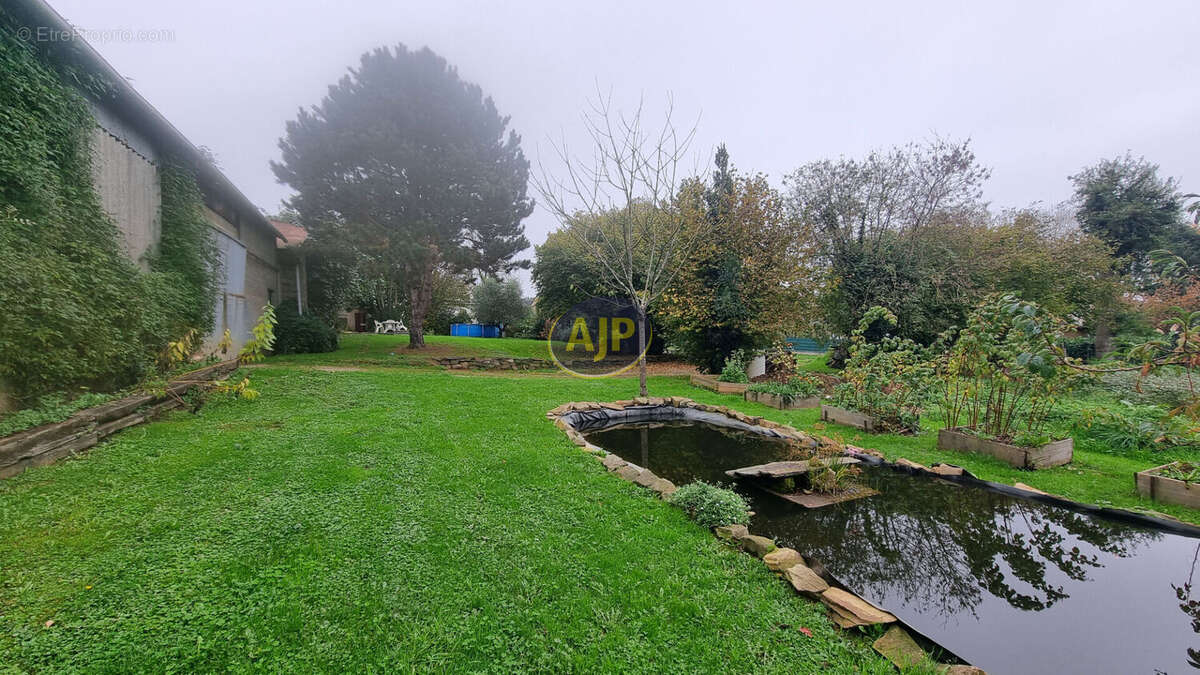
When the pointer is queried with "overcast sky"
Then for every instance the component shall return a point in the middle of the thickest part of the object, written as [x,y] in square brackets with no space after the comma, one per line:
[1040,90]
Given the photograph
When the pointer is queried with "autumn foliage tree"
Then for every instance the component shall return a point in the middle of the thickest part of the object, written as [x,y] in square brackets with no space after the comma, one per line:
[742,285]
[414,169]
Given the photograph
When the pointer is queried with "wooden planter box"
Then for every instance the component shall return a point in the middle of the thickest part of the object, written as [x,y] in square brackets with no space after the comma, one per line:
[1055,453]
[711,383]
[830,413]
[1167,490]
[780,403]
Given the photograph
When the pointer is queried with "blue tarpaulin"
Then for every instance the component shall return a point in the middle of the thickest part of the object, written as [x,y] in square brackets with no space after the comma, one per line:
[474,330]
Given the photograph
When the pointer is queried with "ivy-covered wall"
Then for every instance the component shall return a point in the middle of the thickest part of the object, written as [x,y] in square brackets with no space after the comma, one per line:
[77,312]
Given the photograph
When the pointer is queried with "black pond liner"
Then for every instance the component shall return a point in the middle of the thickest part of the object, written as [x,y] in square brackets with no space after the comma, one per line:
[599,421]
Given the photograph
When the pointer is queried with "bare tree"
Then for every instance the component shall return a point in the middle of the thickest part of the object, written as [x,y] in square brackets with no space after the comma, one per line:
[621,204]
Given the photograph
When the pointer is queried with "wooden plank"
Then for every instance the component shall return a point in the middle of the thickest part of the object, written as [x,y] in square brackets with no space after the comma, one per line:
[49,443]
[1167,490]
[776,401]
[1051,454]
[713,384]
[849,418]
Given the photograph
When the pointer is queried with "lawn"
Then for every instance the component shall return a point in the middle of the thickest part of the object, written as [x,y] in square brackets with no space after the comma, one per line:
[369,349]
[392,519]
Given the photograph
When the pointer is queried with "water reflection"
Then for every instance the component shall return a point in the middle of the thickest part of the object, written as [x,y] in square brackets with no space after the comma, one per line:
[1010,585]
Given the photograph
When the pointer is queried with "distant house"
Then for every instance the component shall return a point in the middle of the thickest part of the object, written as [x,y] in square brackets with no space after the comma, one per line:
[130,142]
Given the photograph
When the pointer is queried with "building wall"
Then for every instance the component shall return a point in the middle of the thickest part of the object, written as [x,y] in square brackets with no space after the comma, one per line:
[250,281]
[128,186]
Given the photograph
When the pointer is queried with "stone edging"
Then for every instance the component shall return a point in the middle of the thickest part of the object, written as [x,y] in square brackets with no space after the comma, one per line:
[492,363]
[51,442]
[845,609]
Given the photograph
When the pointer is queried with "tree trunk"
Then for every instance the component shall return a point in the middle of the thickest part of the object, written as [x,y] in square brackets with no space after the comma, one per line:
[642,351]
[421,296]
[1103,338]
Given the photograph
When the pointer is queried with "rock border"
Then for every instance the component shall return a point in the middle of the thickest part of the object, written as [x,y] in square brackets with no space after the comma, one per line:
[846,609]
[492,363]
[49,443]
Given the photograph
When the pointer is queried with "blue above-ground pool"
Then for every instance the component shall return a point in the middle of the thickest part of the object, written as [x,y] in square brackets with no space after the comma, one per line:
[474,330]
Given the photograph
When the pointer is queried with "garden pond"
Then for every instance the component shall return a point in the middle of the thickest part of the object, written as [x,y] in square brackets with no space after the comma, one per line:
[1009,584]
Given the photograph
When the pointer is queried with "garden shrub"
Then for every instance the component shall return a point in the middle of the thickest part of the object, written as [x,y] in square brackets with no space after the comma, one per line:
[78,313]
[711,505]
[887,378]
[1129,428]
[802,385]
[1005,372]
[1165,388]
[297,333]
[735,368]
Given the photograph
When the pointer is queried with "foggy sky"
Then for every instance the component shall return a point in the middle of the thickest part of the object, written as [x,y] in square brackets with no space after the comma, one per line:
[1041,91]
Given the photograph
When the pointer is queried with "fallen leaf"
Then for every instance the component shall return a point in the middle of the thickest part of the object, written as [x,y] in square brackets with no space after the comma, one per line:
[49,623]
[806,631]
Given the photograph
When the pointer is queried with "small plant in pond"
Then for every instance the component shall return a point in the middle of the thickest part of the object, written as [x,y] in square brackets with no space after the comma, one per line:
[735,368]
[712,505]
[888,378]
[834,479]
[1002,376]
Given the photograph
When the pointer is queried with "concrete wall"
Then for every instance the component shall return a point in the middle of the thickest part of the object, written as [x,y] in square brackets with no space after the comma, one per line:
[125,171]
[250,282]
[127,184]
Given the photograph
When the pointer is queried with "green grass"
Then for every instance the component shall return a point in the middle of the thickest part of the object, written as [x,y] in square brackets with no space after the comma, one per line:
[814,363]
[394,519]
[369,349]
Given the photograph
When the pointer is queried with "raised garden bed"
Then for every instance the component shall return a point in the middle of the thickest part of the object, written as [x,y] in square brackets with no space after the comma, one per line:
[781,403]
[830,413]
[1055,453]
[711,383]
[51,442]
[1154,484]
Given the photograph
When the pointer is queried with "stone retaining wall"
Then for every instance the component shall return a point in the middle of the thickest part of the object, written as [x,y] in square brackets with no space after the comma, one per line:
[51,442]
[490,363]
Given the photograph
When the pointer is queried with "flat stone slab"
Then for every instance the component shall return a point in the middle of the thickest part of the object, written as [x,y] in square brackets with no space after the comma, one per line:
[816,500]
[851,606]
[782,558]
[612,462]
[788,469]
[756,545]
[804,580]
[629,472]
[897,646]
[733,533]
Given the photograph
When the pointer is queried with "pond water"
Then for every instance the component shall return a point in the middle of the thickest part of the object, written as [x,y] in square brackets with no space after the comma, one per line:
[1007,584]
